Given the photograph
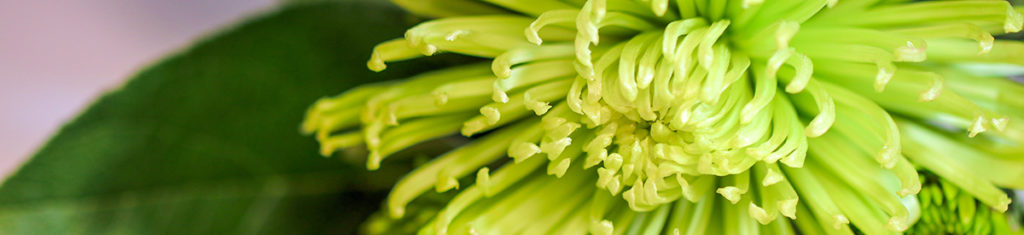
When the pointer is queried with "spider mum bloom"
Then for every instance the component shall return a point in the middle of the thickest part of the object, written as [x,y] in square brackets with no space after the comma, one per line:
[692,116]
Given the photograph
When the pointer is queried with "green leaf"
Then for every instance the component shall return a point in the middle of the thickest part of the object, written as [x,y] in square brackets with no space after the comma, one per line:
[207,141]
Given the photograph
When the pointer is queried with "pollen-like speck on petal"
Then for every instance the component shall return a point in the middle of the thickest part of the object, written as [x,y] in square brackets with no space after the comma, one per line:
[697,117]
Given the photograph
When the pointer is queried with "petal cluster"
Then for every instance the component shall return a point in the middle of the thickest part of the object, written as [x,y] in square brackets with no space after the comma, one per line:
[693,116]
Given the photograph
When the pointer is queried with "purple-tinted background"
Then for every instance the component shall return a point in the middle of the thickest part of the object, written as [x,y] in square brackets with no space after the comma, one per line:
[57,56]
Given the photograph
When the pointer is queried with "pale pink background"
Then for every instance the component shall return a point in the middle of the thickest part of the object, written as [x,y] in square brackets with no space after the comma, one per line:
[56,56]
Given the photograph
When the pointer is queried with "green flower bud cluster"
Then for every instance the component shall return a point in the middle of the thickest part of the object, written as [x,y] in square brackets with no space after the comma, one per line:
[945,209]
[693,116]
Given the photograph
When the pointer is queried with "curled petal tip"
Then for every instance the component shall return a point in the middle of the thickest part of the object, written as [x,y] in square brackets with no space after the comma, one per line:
[977,126]
[376,64]
[1014,20]
[373,161]
[897,224]
[771,178]
[396,212]
[472,127]
[730,193]
[883,77]
[558,169]
[1004,204]
[841,221]
[446,182]
[604,227]
[532,34]
[759,214]
[522,151]
[985,44]
[788,208]
[499,96]
[483,180]
[428,50]
[491,114]
[1000,123]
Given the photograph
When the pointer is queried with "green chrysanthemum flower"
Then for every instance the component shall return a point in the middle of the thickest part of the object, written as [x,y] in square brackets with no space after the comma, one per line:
[665,116]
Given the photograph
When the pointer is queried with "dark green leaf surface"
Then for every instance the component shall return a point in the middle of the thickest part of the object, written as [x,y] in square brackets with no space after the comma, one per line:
[207,142]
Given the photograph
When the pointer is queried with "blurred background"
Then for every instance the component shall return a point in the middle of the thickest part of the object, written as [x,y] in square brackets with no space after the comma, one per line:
[56,57]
